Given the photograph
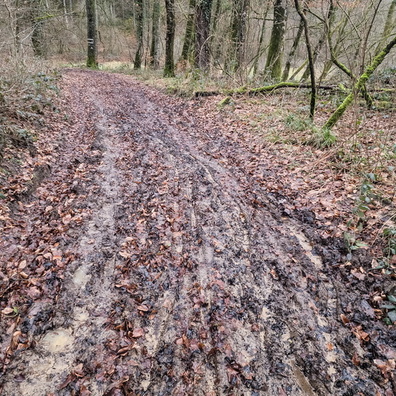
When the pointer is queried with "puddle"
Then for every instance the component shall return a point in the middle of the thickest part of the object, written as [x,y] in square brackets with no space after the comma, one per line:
[81,277]
[57,341]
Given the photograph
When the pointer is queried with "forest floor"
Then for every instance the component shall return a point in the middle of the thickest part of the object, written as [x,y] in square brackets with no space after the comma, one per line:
[154,245]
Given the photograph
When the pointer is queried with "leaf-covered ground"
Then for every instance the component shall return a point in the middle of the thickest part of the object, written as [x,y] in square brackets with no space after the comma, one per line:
[155,245]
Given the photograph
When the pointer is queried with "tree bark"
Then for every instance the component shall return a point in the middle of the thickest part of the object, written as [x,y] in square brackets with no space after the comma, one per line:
[273,66]
[92,60]
[37,23]
[155,35]
[359,85]
[315,55]
[169,70]
[310,58]
[388,27]
[203,11]
[189,33]
[238,32]
[261,40]
[293,50]
[137,64]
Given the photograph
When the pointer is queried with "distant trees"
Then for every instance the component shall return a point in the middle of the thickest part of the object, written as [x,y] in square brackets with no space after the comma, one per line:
[265,41]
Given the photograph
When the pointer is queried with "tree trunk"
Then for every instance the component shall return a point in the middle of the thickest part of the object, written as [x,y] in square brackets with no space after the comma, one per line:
[273,66]
[315,55]
[340,65]
[155,35]
[261,40]
[37,29]
[169,70]
[203,11]
[388,27]
[310,58]
[92,55]
[137,64]
[189,33]
[361,82]
[238,32]
[293,50]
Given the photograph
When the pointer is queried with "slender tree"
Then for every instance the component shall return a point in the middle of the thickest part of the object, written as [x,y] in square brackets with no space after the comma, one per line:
[293,50]
[92,60]
[260,50]
[311,63]
[169,70]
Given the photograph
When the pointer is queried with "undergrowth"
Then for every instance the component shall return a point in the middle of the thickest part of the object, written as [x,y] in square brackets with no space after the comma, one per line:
[26,90]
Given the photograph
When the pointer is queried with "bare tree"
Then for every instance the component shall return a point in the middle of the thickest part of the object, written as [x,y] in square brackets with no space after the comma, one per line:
[92,55]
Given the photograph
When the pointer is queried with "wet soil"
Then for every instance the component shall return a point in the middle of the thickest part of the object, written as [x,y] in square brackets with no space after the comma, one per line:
[185,277]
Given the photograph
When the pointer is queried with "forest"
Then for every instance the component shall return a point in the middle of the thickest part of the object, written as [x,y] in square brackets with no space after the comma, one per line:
[197,197]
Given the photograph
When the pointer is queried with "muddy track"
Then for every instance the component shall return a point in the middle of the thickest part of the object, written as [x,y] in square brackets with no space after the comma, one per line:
[186,281]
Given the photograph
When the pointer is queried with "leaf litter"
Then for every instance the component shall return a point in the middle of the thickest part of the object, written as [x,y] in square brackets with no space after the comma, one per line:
[158,255]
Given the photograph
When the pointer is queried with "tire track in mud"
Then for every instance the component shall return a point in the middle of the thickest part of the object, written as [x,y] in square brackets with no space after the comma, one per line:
[185,286]
[80,332]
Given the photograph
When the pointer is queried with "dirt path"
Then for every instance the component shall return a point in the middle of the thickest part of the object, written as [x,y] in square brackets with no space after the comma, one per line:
[185,279]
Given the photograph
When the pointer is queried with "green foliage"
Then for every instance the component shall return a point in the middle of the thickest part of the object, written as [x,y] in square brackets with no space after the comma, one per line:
[296,123]
[366,197]
[389,235]
[352,243]
[389,309]
[323,137]
[224,102]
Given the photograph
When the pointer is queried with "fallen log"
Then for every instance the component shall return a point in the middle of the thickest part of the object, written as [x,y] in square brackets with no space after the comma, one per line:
[265,89]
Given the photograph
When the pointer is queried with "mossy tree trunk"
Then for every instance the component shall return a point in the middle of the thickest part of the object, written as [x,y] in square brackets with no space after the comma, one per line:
[139,21]
[92,54]
[360,83]
[238,32]
[155,35]
[273,66]
[169,70]
[335,60]
[203,12]
[189,33]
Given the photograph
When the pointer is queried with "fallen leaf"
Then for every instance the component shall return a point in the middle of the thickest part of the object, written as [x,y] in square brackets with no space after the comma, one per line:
[7,311]
[139,332]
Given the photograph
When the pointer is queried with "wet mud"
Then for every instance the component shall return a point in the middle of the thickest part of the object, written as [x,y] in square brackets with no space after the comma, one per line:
[187,279]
